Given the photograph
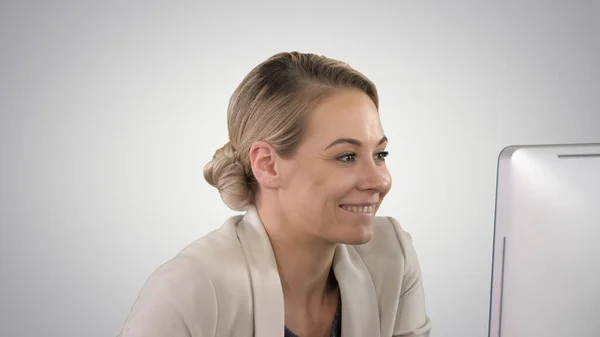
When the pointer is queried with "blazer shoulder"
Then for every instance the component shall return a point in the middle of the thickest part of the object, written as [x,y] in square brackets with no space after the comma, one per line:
[391,249]
[214,250]
[177,298]
[389,239]
[190,293]
[219,257]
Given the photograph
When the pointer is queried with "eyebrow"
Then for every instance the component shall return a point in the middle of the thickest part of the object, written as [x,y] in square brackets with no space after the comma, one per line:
[353,142]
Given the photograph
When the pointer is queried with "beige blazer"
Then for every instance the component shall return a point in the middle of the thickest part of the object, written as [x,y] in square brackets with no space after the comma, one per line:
[227,284]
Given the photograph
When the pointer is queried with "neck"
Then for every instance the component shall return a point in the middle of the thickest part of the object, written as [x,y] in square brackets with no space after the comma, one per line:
[304,262]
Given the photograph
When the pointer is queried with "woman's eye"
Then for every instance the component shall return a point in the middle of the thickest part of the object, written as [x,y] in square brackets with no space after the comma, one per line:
[382,155]
[349,157]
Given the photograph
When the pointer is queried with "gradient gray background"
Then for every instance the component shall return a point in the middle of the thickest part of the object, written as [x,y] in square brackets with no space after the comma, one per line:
[109,111]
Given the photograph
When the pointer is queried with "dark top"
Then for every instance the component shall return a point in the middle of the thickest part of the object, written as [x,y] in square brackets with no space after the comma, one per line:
[336,327]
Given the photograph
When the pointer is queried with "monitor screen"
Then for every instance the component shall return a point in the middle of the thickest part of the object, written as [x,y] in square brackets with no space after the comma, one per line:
[546,260]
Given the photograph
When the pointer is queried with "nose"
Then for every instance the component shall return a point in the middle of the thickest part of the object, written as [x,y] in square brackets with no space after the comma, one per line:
[376,178]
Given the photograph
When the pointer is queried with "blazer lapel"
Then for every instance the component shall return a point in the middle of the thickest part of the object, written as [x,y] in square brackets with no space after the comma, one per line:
[360,310]
[269,315]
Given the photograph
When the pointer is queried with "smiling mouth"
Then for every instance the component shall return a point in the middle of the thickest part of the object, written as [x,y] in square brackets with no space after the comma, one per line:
[366,210]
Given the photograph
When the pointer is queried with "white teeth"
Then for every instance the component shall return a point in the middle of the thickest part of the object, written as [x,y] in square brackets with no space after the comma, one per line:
[359,209]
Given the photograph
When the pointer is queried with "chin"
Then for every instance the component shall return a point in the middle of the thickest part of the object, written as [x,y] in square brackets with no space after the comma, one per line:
[357,237]
[357,241]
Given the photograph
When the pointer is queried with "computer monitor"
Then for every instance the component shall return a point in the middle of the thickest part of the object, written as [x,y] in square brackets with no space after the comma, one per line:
[546,256]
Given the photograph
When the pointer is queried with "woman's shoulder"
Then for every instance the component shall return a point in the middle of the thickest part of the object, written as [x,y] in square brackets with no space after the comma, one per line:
[216,257]
[218,248]
[390,247]
[388,236]
[181,294]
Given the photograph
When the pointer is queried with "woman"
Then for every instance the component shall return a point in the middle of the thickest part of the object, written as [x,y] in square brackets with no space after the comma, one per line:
[306,162]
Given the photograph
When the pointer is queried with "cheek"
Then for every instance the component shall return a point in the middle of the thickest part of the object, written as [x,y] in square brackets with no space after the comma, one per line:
[316,189]
[341,185]
[332,191]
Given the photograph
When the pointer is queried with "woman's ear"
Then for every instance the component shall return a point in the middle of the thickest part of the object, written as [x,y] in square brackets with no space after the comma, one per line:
[262,160]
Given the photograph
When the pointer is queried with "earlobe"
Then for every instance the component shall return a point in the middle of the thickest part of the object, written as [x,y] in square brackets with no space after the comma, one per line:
[262,161]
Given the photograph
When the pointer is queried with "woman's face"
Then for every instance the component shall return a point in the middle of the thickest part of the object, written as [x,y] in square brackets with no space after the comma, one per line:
[334,185]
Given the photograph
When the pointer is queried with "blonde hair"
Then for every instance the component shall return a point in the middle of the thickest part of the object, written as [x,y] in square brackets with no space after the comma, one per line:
[271,104]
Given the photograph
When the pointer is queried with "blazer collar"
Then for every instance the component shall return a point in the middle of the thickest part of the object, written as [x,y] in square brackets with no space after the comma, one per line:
[360,311]
[269,315]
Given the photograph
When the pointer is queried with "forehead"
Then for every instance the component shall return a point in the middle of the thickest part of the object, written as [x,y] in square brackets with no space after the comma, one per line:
[345,114]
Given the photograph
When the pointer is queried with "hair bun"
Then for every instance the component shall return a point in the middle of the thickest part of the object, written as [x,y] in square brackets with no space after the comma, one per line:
[226,173]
